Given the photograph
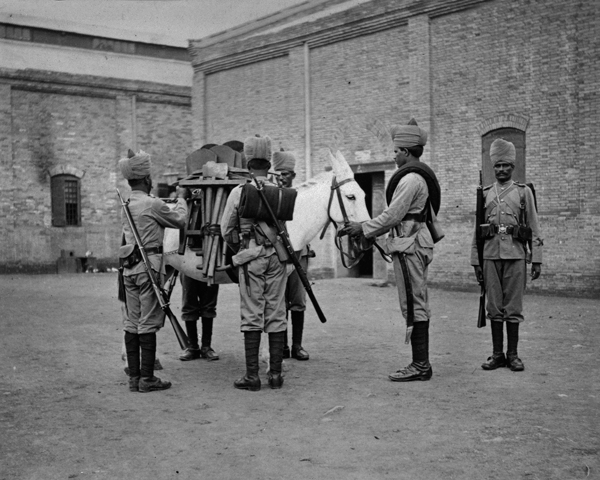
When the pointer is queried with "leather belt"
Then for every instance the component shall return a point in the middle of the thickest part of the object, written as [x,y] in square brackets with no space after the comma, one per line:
[154,250]
[504,229]
[417,217]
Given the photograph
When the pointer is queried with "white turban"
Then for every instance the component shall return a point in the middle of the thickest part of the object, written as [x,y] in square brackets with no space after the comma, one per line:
[135,167]
[258,147]
[502,151]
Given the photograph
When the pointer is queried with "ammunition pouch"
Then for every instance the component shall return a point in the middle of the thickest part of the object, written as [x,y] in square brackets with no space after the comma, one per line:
[129,256]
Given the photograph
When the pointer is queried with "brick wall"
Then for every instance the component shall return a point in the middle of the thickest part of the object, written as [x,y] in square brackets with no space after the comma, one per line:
[535,60]
[89,129]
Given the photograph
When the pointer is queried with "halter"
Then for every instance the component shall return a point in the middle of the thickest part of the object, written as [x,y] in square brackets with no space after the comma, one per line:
[356,252]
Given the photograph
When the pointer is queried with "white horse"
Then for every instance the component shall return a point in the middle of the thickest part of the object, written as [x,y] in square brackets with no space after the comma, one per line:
[311,213]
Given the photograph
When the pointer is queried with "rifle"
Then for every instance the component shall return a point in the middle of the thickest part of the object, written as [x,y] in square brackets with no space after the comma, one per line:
[160,293]
[479,220]
[283,236]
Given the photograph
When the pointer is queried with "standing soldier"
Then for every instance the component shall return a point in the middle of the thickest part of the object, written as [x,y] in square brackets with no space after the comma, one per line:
[511,226]
[144,314]
[295,295]
[410,191]
[262,275]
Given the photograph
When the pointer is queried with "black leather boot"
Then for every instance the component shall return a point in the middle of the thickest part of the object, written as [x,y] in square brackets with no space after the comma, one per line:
[297,351]
[148,382]
[512,358]
[206,350]
[132,349]
[276,344]
[193,351]
[420,368]
[250,381]
[497,360]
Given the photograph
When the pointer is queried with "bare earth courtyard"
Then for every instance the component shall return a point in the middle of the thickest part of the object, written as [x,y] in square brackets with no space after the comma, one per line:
[66,411]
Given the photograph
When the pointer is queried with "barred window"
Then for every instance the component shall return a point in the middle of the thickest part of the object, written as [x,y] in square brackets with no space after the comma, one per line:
[66,201]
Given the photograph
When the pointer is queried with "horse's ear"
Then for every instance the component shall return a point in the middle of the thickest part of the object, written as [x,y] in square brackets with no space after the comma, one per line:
[341,158]
[332,158]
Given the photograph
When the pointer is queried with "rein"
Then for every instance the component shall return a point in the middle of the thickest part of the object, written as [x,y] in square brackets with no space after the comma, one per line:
[356,252]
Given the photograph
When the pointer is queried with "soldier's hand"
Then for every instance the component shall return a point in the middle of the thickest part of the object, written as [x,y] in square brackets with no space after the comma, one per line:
[183,192]
[536,270]
[478,273]
[353,229]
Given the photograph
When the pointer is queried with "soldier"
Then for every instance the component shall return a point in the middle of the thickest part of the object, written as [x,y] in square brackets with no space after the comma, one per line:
[511,225]
[262,275]
[411,245]
[295,295]
[144,314]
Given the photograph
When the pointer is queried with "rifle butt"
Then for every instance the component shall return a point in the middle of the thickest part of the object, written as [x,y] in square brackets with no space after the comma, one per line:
[182,338]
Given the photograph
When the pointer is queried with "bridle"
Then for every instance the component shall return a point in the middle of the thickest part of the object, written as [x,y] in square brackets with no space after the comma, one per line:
[356,252]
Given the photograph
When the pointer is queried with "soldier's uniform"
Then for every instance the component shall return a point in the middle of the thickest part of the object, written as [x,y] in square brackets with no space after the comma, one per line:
[410,242]
[144,314]
[295,294]
[505,257]
[262,276]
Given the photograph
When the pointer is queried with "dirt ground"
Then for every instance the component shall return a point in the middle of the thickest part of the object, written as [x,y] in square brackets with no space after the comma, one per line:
[66,411]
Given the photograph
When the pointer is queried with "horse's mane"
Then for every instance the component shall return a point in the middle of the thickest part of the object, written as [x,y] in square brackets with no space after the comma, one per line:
[321,178]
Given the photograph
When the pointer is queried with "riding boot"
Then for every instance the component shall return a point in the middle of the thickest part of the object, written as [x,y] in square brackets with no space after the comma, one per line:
[420,368]
[149,382]
[286,347]
[132,349]
[206,350]
[512,358]
[276,343]
[297,329]
[497,359]
[193,351]
[250,381]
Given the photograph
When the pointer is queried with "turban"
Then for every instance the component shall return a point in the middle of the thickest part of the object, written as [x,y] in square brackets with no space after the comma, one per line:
[502,151]
[406,136]
[136,166]
[257,147]
[283,161]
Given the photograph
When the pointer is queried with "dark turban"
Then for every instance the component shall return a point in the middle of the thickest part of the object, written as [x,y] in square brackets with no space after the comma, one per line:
[406,136]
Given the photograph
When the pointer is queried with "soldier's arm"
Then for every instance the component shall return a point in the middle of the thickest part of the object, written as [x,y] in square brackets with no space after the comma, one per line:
[392,216]
[536,236]
[167,217]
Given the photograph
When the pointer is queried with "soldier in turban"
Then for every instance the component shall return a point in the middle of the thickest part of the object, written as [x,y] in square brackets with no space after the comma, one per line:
[410,191]
[262,275]
[144,314]
[508,233]
[295,296]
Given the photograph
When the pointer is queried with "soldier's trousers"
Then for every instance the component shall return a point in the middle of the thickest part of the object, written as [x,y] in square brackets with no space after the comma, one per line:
[199,299]
[504,287]
[418,263]
[264,308]
[144,314]
[295,295]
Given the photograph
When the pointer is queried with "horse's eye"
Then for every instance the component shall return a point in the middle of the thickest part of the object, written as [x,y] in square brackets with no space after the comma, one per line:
[350,197]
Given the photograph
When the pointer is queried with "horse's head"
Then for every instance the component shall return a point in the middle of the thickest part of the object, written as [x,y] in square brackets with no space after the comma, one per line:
[350,193]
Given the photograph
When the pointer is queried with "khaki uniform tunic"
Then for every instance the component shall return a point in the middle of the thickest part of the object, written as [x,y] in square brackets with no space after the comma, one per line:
[504,257]
[264,308]
[151,216]
[412,238]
